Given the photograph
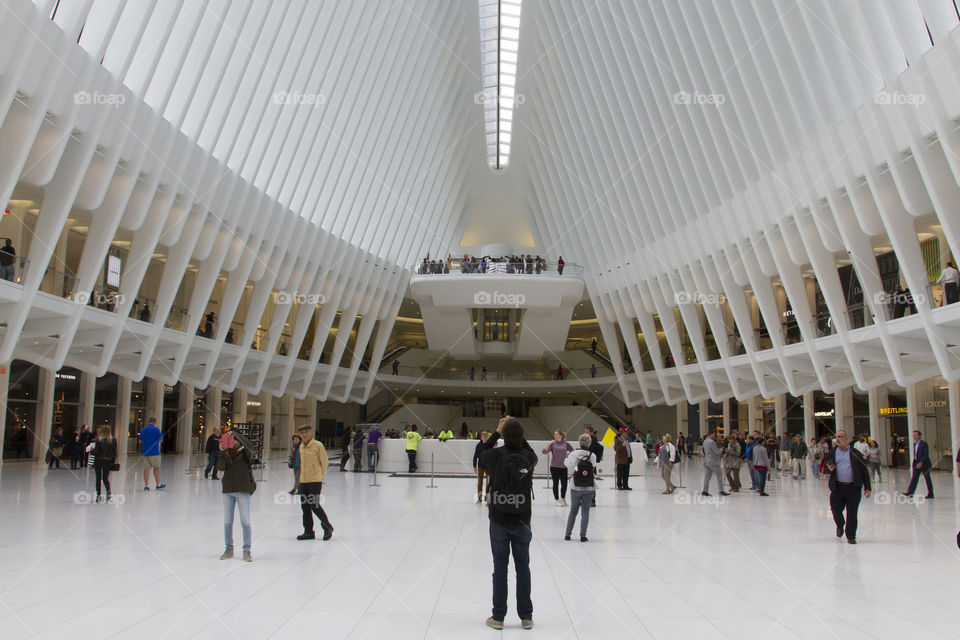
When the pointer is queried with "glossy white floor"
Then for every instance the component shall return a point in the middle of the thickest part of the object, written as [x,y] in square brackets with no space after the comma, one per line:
[408,561]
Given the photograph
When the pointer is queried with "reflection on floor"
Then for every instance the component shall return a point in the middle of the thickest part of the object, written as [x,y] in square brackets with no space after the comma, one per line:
[408,561]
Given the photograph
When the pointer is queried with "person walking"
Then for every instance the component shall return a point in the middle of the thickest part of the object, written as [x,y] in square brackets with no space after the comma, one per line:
[480,469]
[623,456]
[373,448]
[873,461]
[293,462]
[711,464]
[511,494]
[313,469]
[848,475]
[413,445]
[761,465]
[345,446]
[665,457]
[921,465]
[582,464]
[731,464]
[235,461]
[785,443]
[559,448]
[817,457]
[358,439]
[77,450]
[150,439]
[85,440]
[104,450]
[212,450]
[55,448]
[798,454]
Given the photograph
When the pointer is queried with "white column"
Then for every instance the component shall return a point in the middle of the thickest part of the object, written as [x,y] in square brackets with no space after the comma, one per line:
[702,415]
[780,414]
[212,409]
[953,400]
[808,419]
[681,407]
[124,388]
[913,422]
[185,420]
[240,405]
[87,390]
[4,391]
[873,406]
[840,411]
[289,403]
[153,402]
[44,425]
[752,403]
[267,406]
[312,412]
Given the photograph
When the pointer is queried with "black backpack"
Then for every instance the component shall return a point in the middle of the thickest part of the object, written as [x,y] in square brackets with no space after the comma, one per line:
[583,475]
[676,455]
[512,487]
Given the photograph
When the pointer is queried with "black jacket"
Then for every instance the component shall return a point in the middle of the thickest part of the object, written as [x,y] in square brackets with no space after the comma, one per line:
[104,451]
[478,464]
[861,475]
[213,444]
[490,456]
[237,474]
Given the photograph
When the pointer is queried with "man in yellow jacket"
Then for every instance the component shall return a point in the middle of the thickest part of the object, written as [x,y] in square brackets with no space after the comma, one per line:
[313,468]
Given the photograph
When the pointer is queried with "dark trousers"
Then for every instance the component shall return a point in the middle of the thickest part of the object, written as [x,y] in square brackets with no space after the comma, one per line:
[76,458]
[412,457]
[503,539]
[846,496]
[950,291]
[211,464]
[915,479]
[357,460]
[623,475]
[102,474]
[344,456]
[733,477]
[310,504]
[559,475]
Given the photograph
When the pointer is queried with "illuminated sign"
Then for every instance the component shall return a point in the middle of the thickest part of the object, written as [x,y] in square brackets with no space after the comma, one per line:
[824,414]
[932,404]
[892,411]
[113,271]
[66,376]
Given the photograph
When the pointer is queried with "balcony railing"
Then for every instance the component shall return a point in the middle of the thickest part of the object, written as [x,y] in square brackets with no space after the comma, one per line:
[462,267]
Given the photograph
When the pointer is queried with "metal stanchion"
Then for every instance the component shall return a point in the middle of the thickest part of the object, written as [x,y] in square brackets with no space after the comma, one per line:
[680,472]
[547,486]
[190,468]
[376,463]
[431,485]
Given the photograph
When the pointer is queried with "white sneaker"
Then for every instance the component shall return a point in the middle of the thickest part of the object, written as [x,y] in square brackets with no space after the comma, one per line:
[559,503]
[563,500]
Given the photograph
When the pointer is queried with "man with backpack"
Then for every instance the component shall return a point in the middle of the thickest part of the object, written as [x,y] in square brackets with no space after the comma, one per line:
[596,448]
[581,464]
[511,494]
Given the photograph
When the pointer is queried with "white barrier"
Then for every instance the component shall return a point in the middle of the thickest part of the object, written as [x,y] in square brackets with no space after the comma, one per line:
[456,456]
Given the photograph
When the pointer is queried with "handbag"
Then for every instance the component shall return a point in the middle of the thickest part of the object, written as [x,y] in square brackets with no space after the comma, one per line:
[115,466]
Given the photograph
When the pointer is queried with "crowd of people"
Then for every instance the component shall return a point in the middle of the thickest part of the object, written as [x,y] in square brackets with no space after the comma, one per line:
[518,264]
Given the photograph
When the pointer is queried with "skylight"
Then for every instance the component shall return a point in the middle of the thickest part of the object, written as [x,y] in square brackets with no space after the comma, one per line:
[499,39]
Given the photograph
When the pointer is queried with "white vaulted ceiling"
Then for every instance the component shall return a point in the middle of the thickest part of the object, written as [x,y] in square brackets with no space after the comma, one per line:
[678,150]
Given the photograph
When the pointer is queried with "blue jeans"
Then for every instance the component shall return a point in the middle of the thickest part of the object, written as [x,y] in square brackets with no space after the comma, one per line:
[242,500]
[373,456]
[580,500]
[502,540]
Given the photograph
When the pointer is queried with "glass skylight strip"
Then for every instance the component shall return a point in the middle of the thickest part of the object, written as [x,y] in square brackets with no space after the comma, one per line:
[499,43]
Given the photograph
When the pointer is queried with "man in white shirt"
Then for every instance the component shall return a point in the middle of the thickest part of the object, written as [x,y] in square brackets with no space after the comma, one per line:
[862,446]
[950,279]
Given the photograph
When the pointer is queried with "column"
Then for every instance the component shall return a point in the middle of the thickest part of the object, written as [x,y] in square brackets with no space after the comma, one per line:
[289,403]
[841,411]
[240,404]
[953,399]
[681,407]
[726,416]
[43,428]
[702,415]
[266,401]
[212,409]
[312,412]
[4,391]
[153,402]
[185,417]
[752,404]
[873,406]
[124,388]
[780,414]
[87,390]
[913,421]
[809,431]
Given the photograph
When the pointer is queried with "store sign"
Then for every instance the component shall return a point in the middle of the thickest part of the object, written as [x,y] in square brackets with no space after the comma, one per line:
[65,376]
[824,414]
[933,404]
[253,403]
[893,411]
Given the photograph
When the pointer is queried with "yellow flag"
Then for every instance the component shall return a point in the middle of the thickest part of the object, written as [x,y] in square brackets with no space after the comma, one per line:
[609,437]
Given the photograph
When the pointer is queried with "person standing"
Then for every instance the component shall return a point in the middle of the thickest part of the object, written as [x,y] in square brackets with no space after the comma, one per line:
[237,487]
[873,460]
[8,259]
[396,367]
[358,439]
[921,465]
[345,448]
[150,438]
[582,465]
[817,457]
[55,448]
[413,444]
[511,494]
[560,265]
[373,448]
[558,449]
[293,462]
[785,443]
[593,371]
[86,438]
[665,457]
[77,450]
[313,469]
[623,456]
[104,451]
[949,278]
[480,468]
[848,475]
[731,464]
[761,464]
[212,450]
[711,464]
[798,454]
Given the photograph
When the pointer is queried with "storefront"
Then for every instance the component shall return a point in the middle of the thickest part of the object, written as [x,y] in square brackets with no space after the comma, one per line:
[105,397]
[22,411]
[66,406]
